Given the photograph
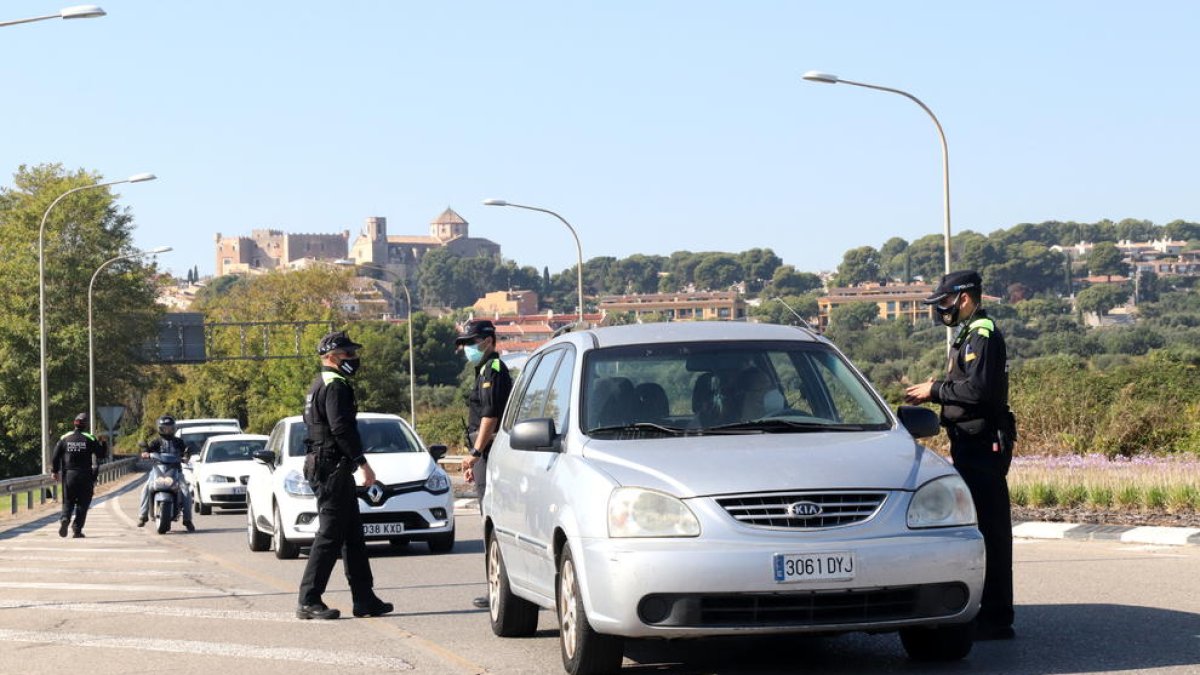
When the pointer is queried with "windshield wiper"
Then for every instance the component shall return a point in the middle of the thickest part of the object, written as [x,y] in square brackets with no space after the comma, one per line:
[638,426]
[781,425]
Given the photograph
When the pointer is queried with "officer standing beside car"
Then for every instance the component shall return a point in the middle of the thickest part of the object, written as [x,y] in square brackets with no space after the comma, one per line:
[334,454]
[982,431]
[489,395]
[73,461]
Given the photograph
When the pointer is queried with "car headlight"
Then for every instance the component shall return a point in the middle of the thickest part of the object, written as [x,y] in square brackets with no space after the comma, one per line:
[219,479]
[295,485]
[638,512]
[437,481]
[942,502]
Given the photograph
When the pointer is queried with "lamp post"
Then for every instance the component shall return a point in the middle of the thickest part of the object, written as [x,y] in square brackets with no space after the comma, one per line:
[826,78]
[412,376]
[91,344]
[578,247]
[76,12]
[45,395]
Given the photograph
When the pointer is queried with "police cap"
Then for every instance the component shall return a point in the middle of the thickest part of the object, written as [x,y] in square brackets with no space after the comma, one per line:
[955,282]
[335,341]
[478,328]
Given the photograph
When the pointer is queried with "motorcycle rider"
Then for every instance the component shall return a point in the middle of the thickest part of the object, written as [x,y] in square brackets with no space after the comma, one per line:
[166,443]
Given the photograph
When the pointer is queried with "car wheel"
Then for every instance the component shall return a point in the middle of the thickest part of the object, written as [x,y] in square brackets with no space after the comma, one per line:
[442,543]
[584,651]
[937,643]
[284,549]
[201,507]
[511,616]
[257,540]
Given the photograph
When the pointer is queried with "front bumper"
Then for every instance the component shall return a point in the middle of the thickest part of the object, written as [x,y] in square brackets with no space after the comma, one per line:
[413,514]
[697,587]
[225,494]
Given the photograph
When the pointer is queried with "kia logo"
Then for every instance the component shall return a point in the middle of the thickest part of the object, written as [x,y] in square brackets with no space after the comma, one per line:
[804,509]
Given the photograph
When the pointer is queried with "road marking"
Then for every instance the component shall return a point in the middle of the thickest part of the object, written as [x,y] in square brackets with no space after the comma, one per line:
[60,549]
[59,558]
[51,586]
[157,610]
[1039,530]
[41,571]
[1170,536]
[208,649]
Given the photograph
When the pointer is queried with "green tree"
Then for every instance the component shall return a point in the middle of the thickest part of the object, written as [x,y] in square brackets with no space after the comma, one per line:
[1101,298]
[84,230]
[859,265]
[717,272]
[787,281]
[771,310]
[1106,259]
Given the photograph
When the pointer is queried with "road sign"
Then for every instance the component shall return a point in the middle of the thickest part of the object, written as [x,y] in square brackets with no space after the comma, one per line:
[110,415]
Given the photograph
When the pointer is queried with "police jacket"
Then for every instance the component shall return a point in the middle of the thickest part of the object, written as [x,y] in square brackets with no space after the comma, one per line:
[488,397]
[74,452]
[974,394]
[331,414]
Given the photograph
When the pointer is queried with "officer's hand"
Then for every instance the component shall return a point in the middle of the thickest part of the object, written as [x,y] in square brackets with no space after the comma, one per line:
[145,455]
[54,475]
[468,462]
[469,475]
[919,393]
[368,475]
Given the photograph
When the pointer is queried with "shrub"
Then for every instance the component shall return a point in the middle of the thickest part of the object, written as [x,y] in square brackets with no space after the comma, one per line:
[1018,494]
[1129,497]
[1100,497]
[1156,497]
[1183,498]
[1073,495]
[1042,494]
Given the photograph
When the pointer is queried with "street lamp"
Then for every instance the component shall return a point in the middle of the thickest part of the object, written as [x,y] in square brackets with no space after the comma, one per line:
[45,395]
[412,376]
[794,312]
[826,78]
[76,12]
[578,247]
[91,348]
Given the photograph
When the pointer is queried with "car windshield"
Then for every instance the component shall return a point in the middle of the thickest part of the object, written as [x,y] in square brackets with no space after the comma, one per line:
[233,451]
[194,440]
[711,388]
[378,436]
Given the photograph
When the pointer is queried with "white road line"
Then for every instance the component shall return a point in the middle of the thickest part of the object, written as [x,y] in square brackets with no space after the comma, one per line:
[157,610]
[59,558]
[60,549]
[165,590]
[85,640]
[42,571]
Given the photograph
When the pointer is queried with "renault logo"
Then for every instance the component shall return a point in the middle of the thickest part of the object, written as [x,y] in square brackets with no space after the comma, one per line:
[375,493]
[804,509]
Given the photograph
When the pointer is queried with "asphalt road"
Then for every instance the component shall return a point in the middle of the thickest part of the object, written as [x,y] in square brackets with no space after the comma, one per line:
[127,600]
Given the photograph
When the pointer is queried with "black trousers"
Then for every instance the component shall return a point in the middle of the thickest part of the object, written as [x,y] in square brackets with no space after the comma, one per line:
[339,531]
[77,496]
[985,473]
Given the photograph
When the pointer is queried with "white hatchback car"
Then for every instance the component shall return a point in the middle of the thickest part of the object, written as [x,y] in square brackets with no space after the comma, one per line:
[411,499]
[679,480]
[194,436]
[219,474]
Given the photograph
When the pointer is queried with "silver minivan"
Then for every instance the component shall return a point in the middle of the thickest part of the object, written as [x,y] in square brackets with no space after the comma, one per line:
[684,480]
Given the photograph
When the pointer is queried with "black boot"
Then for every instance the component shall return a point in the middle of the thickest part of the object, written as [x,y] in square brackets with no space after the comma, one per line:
[316,611]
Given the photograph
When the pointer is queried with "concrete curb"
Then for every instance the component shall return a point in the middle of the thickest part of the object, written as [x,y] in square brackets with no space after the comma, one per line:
[1157,536]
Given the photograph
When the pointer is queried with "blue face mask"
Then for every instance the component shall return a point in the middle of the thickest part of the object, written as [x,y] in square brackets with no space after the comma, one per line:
[474,354]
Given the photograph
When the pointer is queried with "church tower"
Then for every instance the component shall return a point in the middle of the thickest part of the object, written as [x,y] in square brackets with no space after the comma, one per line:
[448,226]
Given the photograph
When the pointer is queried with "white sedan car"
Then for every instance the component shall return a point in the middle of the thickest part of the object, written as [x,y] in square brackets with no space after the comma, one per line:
[219,473]
[411,499]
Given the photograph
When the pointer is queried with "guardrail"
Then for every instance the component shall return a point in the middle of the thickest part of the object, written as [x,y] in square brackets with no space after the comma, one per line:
[13,488]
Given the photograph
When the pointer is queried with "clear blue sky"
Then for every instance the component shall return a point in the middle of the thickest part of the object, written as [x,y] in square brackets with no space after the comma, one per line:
[651,126]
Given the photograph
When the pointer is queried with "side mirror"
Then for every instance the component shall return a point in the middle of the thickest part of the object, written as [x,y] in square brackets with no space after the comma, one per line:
[437,451]
[265,456]
[920,422]
[536,434]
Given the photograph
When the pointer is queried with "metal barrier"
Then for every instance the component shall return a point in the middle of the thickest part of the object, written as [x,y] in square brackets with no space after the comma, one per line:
[15,487]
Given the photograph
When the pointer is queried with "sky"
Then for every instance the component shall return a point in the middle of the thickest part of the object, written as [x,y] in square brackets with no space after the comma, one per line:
[652,126]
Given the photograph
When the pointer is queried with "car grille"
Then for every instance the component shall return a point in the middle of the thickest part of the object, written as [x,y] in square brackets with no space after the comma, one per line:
[780,510]
[231,499]
[804,608]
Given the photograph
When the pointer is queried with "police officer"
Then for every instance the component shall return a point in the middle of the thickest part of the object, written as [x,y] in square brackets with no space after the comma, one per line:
[167,443]
[486,404]
[335,452]
[975,413]
[73,460]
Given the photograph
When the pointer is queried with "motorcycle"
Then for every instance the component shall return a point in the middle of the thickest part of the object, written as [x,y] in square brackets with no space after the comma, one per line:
[167,484]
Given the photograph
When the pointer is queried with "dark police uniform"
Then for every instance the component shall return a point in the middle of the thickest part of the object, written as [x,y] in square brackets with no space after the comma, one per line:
[493,384]
[334,454]
[975,413]
[73,460]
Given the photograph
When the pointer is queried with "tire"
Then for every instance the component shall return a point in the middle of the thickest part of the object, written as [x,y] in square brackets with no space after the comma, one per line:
[166,511]
[441,543]
[937,643]
[510,616]
[584,651]
[202,508]
[255,539]
[284,549]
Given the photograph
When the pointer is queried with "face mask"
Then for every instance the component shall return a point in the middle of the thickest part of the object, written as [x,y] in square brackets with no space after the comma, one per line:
[349,366]
[474,354]
[949,315]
